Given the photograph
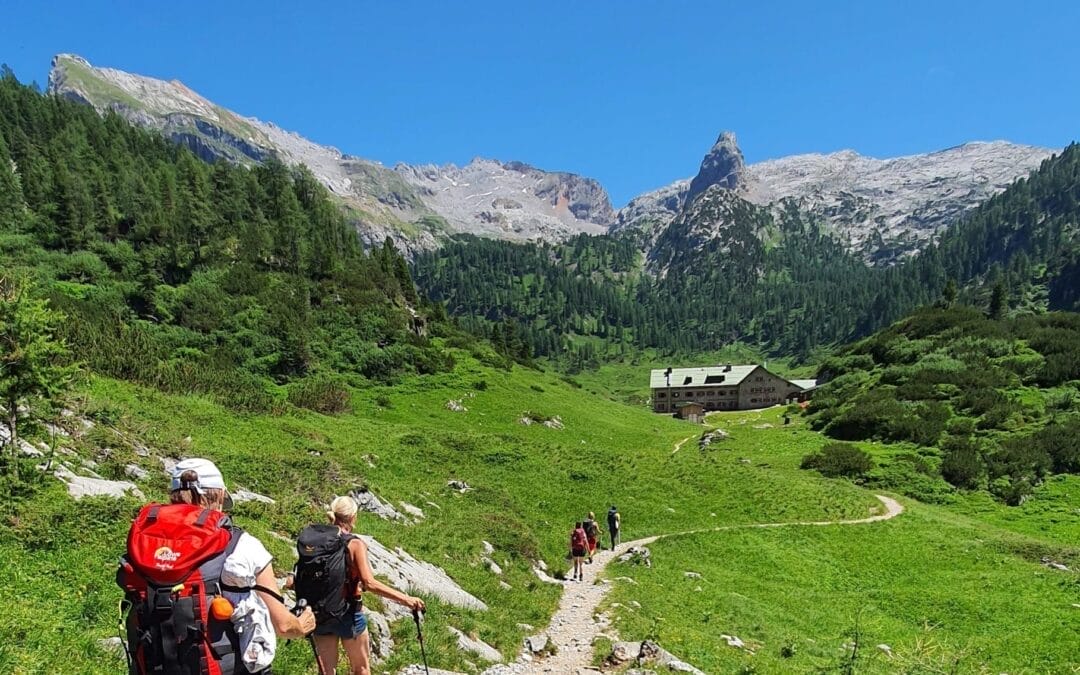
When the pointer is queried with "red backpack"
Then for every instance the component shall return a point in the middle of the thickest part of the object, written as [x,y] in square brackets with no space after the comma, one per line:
[577,539]
[170,574]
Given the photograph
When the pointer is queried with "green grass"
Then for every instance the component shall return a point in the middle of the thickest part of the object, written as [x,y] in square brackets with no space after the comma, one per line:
[949,589]
[531,483]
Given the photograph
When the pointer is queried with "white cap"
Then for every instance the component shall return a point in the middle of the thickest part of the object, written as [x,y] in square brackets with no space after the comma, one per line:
[209,475]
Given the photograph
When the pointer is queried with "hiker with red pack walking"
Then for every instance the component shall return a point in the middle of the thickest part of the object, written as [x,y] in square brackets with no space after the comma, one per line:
[200,593]
[579,543]
[592,533]
[331,574]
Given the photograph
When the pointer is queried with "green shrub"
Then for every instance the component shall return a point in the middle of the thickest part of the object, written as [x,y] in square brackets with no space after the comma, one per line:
[839,459]
[963,465]
[324,394]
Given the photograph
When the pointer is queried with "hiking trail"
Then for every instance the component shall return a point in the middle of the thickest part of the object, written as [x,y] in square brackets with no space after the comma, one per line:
[574,626]
[680,444]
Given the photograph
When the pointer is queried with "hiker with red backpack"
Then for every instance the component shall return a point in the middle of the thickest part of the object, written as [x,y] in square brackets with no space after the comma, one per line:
[579,546]
[331,574]
[186,615]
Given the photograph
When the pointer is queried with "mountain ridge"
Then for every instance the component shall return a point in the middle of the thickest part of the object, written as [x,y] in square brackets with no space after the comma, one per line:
[883,209]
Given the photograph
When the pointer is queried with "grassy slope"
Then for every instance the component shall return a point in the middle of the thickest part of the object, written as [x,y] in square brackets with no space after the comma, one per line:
[530,483]
[941,588]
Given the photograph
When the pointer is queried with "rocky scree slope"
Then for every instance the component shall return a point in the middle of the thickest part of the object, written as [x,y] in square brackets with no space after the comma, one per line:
[884,209]
[415,206]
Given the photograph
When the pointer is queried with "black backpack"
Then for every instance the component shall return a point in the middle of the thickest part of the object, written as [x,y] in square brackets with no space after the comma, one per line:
[323,572]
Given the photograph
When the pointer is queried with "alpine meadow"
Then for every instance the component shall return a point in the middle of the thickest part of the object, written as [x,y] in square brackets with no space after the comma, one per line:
[789,413]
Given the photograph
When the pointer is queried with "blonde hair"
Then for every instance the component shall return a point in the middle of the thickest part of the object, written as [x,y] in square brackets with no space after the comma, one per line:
[211,498]
[342,511]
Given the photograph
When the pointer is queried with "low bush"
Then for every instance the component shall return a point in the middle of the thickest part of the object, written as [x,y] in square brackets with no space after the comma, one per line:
[839,460]
[322,393]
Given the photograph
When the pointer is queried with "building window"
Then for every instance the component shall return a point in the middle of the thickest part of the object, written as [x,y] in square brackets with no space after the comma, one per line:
[661,395]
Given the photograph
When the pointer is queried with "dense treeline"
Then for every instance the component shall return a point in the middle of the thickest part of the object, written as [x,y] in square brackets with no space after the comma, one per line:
[193,276]
[727,270]
[995,400]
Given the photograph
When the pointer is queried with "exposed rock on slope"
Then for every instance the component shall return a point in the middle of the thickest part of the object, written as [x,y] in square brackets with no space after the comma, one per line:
[415,206]
[884,209]
[723,166]
[512,200]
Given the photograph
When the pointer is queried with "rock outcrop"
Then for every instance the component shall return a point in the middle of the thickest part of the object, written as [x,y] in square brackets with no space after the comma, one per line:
[723,166]
[406,572]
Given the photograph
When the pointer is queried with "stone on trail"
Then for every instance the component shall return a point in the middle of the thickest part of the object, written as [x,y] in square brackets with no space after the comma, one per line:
[417,669]
[624,652]
[536,643]
[478,647]
[543,576]
[82,486]
[409,574]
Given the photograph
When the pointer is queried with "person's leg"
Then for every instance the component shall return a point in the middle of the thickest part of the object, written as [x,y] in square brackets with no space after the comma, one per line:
[358,651]
[326,648]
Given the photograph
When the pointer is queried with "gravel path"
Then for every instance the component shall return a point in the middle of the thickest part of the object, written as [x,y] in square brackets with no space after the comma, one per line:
[574,625]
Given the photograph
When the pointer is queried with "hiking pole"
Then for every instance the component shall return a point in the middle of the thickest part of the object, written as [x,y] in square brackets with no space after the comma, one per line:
[298,609]
[420,637]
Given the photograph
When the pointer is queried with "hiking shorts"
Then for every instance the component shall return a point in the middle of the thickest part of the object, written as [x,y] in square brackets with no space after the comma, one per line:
[580,553]
[345,627]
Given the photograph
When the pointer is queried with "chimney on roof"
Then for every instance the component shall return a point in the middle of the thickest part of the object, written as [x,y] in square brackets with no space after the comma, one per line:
[667,376]
[727,368]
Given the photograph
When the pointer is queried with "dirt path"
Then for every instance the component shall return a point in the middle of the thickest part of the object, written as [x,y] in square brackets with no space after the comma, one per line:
[680,444]
[574,626]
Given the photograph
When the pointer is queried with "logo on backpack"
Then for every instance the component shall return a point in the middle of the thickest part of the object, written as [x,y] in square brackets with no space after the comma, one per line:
[166,555]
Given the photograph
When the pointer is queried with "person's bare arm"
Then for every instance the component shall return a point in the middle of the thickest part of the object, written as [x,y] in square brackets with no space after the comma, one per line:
[286,624]
[368,582]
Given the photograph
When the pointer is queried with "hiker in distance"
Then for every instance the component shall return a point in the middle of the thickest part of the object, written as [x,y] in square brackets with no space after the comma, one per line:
[614,522]
[592,534]
[200,593]
[331,574]
[579,543]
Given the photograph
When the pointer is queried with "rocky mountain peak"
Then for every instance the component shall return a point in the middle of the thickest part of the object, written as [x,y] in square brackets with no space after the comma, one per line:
[723,165]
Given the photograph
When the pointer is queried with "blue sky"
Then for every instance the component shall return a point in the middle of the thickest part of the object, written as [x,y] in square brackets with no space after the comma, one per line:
[631,92]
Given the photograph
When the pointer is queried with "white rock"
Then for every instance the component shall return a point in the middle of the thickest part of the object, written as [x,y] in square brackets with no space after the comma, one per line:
[414,511]
[885,649]
[732,641]
[409,574]
[478,647]
[83,486]
[536,643]
[543,576]
[111,645]
[242,495]
[491,565]
[691,575]
[505,586]
[137,472]
[487,547]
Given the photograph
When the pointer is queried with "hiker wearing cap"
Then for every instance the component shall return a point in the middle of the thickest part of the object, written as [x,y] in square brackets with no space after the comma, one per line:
[614,522]
[331,574]
[201,593]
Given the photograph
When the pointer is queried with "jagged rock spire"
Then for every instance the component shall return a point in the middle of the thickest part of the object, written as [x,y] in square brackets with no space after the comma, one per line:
[723,166]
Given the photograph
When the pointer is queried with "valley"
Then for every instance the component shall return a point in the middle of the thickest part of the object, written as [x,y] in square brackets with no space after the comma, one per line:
[466,351]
